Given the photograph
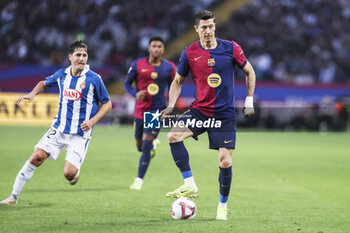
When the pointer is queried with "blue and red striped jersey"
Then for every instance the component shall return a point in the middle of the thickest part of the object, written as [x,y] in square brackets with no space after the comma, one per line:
[154,80]
[79,99]
[213,74]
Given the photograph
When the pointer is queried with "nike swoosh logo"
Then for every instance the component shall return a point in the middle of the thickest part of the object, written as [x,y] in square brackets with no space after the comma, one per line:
[227,141]
[241,53]
[183,191]
[196,58]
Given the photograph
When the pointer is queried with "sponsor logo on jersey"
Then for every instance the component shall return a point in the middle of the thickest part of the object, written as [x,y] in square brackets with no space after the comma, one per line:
[211,62]
[154,75]
[71,94]
[153,89]
[83,85]
[214,80]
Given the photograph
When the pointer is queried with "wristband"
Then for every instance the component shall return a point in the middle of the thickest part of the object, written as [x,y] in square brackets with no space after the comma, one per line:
[248,103]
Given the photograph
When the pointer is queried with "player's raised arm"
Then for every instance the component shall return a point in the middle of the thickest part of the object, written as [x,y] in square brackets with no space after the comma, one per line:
[248,109]
[40,87]
[174,93]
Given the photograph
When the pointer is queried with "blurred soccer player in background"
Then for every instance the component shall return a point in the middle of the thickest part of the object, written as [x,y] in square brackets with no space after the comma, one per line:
[81,92]
[151,75]
[211,61]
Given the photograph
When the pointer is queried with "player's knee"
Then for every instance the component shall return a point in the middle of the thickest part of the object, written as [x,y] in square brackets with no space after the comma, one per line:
[38,157]
[174,137]
[225,163]
[69,175]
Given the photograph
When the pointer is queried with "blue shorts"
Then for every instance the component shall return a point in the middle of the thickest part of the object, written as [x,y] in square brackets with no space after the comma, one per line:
[139,130]
[219,137]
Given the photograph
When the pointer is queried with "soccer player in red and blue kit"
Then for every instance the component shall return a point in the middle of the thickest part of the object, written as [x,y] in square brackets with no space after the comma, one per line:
[211,61]
[151,75]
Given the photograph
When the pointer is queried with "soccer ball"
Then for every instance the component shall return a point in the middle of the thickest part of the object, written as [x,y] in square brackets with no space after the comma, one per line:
[183,208]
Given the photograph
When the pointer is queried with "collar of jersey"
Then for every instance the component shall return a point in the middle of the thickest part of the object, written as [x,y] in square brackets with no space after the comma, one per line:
[217,46]
[86,69]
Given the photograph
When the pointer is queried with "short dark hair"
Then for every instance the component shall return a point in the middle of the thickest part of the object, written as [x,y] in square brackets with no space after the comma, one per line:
[156,38]
[203,15]
[77,44]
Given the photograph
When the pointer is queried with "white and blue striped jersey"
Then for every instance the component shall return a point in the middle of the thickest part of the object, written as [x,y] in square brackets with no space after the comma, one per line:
[79,99]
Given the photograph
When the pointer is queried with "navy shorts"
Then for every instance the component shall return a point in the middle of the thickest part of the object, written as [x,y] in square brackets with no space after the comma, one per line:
[219,137]
[139,130]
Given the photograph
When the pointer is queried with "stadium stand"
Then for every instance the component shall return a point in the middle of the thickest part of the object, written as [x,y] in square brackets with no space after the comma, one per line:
[288,41]
[300,51]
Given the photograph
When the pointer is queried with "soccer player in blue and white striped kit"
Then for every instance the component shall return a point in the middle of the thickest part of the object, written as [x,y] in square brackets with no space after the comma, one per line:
[81,93]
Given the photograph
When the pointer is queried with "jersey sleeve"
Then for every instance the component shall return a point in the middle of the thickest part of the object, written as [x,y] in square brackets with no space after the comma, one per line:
[130,78]
[183,67]
[172,75]
[51,81]
[238,55]
[101,91]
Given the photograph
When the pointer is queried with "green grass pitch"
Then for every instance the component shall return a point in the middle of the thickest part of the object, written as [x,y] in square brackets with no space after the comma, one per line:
[283,182]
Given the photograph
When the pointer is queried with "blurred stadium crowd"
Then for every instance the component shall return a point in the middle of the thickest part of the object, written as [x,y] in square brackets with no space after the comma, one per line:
[287,40]
[300,41]
[39,32]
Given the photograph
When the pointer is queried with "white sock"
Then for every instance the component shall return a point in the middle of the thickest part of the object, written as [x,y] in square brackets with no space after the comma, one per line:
[190,182]
[222,205]
[24,175]
[140,180]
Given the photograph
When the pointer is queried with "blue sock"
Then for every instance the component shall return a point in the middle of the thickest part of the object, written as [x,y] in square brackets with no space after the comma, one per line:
[225,178]
[187,174]
[181,158]
[145,158]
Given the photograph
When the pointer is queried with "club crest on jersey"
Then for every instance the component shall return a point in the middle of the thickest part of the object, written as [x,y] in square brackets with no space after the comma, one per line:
[211,62]
[214,80]
[71,94]
[83,85]
[153,89]
[154,75]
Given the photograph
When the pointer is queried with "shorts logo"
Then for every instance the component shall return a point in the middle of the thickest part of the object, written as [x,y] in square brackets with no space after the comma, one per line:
[154,75]
[151,120]
[211,62]
[214,80]
[153,89]
[227,141]
[71,94]
[83,85]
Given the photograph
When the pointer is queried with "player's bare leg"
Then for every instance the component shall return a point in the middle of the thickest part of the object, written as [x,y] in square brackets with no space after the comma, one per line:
[25,174]
[225,177]
[71,173]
